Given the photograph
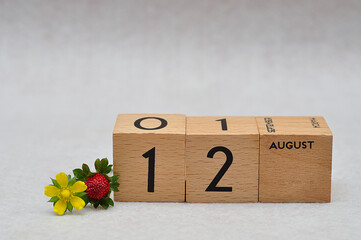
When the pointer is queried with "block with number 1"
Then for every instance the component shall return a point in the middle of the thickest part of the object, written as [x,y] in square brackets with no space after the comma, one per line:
[149,157]
[222,159]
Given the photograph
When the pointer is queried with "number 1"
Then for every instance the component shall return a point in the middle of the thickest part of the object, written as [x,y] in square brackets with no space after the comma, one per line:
[151,165]
[223,123]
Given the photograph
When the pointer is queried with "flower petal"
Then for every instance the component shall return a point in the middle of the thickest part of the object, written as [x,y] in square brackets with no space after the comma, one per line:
[79,186]
[62,179]
[51,191]
[77,202]
[60,207]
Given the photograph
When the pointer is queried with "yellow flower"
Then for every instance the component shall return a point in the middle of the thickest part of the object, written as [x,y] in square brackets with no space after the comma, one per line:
[65,193]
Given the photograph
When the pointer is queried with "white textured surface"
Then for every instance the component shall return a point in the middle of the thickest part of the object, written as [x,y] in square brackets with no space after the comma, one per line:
[68,67]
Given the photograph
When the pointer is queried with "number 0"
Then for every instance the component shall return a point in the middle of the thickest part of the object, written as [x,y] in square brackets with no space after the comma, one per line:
[213,185]
[163,123]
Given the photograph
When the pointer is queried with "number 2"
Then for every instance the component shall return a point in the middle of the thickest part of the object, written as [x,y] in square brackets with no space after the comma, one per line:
[229,159]
[151,165]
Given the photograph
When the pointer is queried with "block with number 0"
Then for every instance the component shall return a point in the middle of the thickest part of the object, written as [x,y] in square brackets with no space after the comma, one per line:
[222,159]
[149,156]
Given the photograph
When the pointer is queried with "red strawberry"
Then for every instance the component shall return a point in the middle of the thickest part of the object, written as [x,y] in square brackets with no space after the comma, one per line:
[99,183]
[98,186]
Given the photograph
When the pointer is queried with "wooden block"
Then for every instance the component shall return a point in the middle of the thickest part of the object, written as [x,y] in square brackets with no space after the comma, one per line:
[295,159]
[149,156]
[222,159]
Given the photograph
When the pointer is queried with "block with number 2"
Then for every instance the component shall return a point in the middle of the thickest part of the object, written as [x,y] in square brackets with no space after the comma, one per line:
[222,159]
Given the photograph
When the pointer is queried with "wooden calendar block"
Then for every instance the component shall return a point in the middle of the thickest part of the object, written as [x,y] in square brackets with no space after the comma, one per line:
[149,156]
[222,159]
[295,159]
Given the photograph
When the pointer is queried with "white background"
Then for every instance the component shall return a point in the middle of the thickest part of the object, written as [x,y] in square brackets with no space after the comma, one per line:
[67,68]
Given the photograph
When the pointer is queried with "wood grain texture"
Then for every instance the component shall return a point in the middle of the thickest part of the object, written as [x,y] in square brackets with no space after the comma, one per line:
[130,143]
[295,159]
[242,139]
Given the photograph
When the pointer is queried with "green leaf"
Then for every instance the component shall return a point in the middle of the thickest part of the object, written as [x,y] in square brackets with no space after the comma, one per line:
[80,194]
[97,164]
[114,186]
[72,181]
[109,201]
[96,204]
[69,177]
[86,169]
[107,169]
[79,174]
[54,199]
[104,163]
[115,178]
[115,183]
[104,204]
[56,184]
[69,207]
